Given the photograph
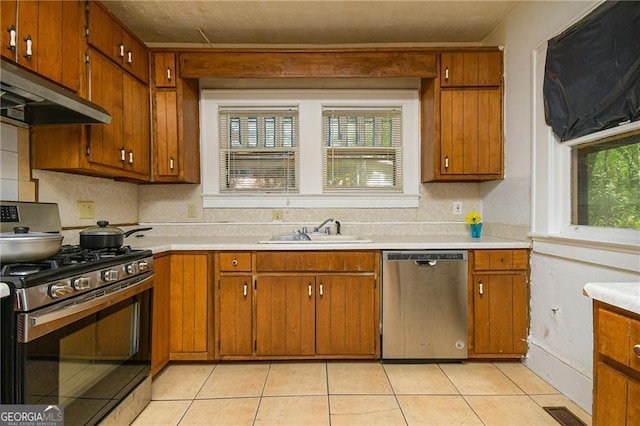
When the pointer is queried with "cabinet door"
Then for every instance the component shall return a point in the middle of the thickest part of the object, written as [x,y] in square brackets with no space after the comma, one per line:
[164,69]
[500,314]
[165,133]
[189,298]
[106,141]
[611,397]
[345,315]
[471,132]
[285,315]
[633,403]
[470,69]
[104,33]
[235,315]
[161,323]
[28,16]
[8,23]
[136,118]
[136,57]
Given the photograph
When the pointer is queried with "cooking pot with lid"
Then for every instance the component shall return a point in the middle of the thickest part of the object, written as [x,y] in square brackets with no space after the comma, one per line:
[24,246]
[105,236]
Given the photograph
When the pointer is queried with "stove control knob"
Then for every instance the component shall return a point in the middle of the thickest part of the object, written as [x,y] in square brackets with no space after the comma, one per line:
[60,289]
[132,268]
[82,283]
[110,275]
[143,265]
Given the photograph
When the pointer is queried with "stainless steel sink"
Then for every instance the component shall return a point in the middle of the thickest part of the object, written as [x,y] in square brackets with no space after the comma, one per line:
[315,239]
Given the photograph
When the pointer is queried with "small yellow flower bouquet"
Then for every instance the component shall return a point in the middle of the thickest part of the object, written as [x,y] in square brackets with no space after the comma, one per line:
[475,224]
[473,217]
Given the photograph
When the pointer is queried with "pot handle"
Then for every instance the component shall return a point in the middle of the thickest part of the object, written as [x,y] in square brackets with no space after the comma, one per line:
[126,234]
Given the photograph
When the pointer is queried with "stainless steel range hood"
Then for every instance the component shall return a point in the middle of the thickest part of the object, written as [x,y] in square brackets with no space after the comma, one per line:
[30,98]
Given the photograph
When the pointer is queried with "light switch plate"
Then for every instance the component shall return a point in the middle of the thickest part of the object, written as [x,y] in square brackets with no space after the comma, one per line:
[86,210]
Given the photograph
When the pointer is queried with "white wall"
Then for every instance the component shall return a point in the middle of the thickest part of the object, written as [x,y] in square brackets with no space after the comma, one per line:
[561,331]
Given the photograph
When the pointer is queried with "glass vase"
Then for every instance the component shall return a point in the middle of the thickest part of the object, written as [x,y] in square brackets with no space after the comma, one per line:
[476,230]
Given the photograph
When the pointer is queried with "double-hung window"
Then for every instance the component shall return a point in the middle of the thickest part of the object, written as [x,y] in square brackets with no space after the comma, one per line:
[310,148]
[258,150]
[362,149]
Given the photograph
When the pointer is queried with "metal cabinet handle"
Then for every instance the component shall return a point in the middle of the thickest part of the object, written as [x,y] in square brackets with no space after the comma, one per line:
[636,350]
[121,50]
[12,38]
[321,290]
[446,162]
[168,73]
[234,262]
[29,43]
[123,155]
[480,289]
[130,157]
[129,57]
[244,291]
[309,289]
[171,163]
[446,74]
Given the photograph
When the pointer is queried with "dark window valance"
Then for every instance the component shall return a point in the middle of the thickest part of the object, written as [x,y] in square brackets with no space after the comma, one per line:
[592,72]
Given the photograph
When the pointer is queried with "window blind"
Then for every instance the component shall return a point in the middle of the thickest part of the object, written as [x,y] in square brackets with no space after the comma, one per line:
[362,149]
[259,149]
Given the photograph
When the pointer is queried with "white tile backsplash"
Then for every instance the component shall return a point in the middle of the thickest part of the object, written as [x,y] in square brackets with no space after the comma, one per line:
[8,162]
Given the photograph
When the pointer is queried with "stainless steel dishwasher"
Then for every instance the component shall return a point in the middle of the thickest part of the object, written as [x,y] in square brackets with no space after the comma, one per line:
[424,305]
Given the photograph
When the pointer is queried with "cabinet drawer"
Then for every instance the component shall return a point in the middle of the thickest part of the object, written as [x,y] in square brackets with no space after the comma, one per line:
[500,259]
[613,336]
[333,261]
[235,261]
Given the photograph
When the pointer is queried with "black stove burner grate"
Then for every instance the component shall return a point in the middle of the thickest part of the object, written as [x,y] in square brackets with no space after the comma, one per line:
[67,256]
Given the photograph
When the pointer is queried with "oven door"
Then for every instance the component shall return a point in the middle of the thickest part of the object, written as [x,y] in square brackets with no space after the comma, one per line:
[86,356]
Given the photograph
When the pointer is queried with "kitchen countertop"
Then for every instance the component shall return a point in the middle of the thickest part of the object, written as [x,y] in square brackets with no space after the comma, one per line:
[384,242]
[625,295]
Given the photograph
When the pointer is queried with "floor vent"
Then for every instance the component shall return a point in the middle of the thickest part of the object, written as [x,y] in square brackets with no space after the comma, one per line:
[564,416]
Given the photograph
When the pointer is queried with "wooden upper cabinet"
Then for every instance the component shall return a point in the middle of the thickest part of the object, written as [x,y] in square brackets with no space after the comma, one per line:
[164,69]
[471,134]
[470,69]
[109,37]
[175,118]
[47,37]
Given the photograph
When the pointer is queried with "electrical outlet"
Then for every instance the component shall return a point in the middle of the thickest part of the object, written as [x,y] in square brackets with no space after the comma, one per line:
[86,210]
[191,210]
[277,215]
[457,207]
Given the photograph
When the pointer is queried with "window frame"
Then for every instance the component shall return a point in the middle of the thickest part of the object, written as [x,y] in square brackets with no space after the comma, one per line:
[310,103]
[552,178]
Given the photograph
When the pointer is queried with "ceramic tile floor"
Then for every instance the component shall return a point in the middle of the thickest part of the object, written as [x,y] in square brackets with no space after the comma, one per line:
[352,393]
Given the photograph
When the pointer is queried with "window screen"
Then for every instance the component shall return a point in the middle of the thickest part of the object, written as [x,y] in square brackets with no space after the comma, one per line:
[362,149]
[259,149]
[606,182]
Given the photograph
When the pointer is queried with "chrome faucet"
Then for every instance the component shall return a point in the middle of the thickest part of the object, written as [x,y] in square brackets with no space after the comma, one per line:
[317,229]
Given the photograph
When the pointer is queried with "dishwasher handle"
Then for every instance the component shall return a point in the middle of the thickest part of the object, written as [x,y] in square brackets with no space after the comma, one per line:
[426,262]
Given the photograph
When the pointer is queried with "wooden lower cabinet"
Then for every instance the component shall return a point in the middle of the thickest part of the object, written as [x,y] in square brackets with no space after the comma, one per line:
[161,323]
[498,304]
[616,383]
[345,311]
[235,316]
[189,311]
[298,305]
[285,316]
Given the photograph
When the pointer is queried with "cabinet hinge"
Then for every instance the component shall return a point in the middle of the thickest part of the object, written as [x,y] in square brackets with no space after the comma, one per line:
[255,284]
[86,32]
[87,150]
[86,7]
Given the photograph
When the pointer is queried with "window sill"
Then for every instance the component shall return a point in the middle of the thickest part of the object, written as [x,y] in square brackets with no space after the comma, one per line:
[615,254]
[310,201]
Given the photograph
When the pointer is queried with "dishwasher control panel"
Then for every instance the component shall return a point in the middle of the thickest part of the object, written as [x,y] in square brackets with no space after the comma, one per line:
[425,255]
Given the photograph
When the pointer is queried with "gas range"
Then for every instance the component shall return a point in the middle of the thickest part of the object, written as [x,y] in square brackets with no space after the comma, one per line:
[72,272]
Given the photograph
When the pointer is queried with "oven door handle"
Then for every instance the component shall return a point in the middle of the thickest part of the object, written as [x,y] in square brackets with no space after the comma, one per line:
[35,325]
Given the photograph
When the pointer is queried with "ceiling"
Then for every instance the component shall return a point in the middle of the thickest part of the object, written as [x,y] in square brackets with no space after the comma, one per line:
[307,22]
